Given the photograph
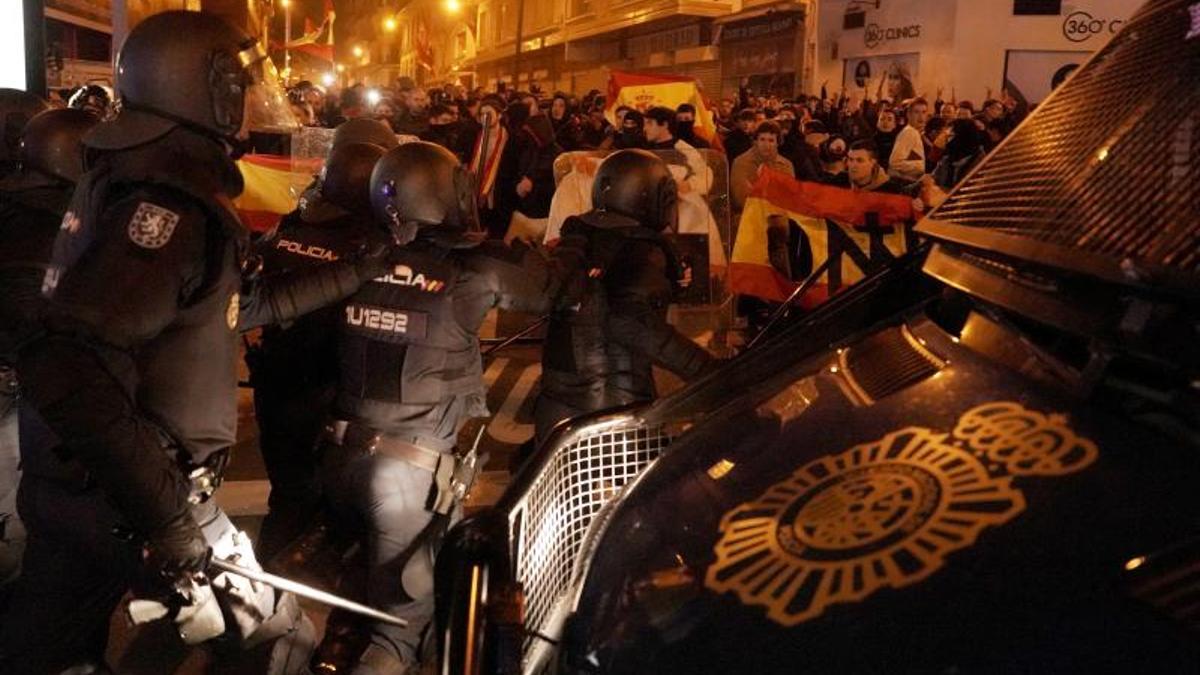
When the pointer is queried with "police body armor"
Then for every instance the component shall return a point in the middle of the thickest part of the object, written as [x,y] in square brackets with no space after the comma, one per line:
[410,348]
[185,373]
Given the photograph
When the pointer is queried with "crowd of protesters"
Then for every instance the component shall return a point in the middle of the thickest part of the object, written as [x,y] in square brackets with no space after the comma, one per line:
[837,140]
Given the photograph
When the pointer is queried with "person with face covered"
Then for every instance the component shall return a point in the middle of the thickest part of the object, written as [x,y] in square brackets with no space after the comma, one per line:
[134,367]
[631,134]
[443,129]
[685,126]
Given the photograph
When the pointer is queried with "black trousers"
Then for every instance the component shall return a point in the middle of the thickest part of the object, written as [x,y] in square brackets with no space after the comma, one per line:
[289,418]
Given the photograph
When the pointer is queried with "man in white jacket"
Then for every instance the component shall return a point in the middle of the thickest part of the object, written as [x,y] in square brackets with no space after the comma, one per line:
[907,162]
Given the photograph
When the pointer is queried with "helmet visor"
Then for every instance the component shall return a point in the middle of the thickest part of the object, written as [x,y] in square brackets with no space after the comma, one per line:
[267,106]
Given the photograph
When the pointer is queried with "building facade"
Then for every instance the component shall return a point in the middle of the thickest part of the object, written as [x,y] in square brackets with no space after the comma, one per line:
[571,45]
[79,42]
[968,49]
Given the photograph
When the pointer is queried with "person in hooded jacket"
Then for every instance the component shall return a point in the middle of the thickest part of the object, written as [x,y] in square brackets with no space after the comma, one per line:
[685,126]
[567,128]
[293,369]
[611,328]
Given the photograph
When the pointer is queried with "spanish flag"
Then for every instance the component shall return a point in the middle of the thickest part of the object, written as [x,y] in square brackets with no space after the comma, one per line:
[272,187]
[832,218]
[642,91]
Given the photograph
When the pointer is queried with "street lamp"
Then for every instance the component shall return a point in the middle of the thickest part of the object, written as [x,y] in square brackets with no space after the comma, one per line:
[358,51]
[287,35]
[389,24]
[453,6]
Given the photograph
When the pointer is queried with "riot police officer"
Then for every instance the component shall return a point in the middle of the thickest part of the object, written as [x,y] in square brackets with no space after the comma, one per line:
[32,202]
[294,368]
[601,345]
[410,375]
[136,367]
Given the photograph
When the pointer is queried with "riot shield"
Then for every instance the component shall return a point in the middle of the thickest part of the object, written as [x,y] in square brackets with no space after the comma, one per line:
[703,306]
[310,147]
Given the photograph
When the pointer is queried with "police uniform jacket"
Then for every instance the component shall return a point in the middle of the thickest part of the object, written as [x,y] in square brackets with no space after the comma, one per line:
[146,299]
[600,349]
[409,346]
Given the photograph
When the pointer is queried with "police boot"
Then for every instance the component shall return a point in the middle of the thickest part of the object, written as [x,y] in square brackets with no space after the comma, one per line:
[346,638]
[317,557]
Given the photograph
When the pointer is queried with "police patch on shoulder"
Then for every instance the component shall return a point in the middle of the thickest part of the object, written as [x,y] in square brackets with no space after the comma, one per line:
[887,513]
[151,226]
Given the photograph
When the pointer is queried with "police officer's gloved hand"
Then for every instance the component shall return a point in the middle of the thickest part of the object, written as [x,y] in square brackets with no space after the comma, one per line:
[178,549]
[372,259]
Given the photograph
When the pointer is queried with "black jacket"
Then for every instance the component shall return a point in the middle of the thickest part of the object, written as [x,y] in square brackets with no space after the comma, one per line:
[409,362]
[601,345]
[140,344]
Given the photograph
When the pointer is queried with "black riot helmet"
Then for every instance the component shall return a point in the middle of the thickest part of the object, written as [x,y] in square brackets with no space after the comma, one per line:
[194,70]
[16,109]
[421,189]
[52,144]
[638,185]
[346,178]
[364,130]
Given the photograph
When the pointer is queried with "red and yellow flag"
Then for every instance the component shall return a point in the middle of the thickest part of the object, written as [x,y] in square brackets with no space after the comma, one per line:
[642,92]
[272,185]
[815,208]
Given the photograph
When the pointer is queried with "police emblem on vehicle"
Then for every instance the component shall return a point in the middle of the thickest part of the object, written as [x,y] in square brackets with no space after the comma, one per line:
[152,226]
[887,513]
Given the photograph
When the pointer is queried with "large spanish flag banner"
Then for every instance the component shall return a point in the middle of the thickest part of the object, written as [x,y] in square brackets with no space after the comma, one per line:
[272,185]
[642,92]
[822,212]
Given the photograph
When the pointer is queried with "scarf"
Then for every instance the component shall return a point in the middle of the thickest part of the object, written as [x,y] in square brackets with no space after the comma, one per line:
[485,164]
